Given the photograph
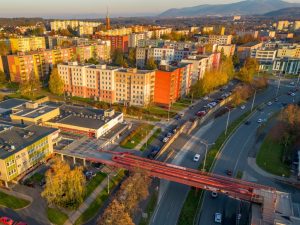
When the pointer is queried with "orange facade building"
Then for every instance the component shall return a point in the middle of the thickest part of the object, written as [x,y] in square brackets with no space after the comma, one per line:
[117,41]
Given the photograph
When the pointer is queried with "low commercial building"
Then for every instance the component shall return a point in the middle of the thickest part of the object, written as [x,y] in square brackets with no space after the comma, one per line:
[23,148]
[287,66]
[7,107]
[85,121]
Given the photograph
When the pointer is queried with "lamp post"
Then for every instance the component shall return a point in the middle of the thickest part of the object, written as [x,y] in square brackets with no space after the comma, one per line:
[206,149]
[227,122]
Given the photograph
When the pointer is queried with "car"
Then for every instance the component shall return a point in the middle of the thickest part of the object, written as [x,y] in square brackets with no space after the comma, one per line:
[259,120]
[292,83]
[218,217]
[293,94]
[238,216]
[90,174]
[248,122]
[213,104]
[165,140]
[201,113]
[196,158]
[169,135]
[276,99]
[6,220]
[243,107]
[229,172]
[181,114]
[205,98]
[289,93]
[214,194]
[174,131]
[269,103]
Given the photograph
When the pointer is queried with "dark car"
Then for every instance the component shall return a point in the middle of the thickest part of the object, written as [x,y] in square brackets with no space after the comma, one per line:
[248,122]
[229,172]
[153,152]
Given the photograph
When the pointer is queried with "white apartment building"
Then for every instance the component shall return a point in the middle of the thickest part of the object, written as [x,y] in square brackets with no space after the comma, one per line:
[158,54]
[134,38]
[74,24]
[264,56]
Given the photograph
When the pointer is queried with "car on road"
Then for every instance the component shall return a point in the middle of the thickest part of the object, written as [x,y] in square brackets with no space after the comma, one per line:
[218,217]
[169,135]
[269,103]
[196,158]
[229,172]
[201,113]
[214,194]
[205,98]
[293,94]
[248,122]
[276,99]
[243,107]
[6,220]
[238,216]
[259,120]
[292,83]
[174,130]
[165,140]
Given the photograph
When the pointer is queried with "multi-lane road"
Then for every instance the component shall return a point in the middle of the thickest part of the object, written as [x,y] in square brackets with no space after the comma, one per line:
[172,195]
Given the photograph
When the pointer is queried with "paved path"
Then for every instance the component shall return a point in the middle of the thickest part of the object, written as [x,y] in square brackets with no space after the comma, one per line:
[76,214]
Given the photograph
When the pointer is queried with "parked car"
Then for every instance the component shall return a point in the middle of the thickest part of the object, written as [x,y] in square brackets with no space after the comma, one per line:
[259,120]
[276,99]
[205,98]
[218,217]
[165,140]
[293,94]
[201,113]
[196,158]
[169,135]
[229,172]
[214,194]
[269,103]
[292,83]
[243,107]
[248,122]
[6,220]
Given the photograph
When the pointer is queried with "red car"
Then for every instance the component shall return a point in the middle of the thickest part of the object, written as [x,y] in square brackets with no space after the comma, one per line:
[201,113]
[6,220]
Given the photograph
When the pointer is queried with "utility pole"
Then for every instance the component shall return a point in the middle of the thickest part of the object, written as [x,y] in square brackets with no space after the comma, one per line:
[252,106]
[108,184]
[278,85]
[205,156]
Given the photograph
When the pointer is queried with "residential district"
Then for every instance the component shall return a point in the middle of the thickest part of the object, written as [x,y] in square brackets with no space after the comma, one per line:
[158,121]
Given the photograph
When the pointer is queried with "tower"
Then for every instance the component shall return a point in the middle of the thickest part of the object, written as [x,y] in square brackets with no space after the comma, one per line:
[107,20]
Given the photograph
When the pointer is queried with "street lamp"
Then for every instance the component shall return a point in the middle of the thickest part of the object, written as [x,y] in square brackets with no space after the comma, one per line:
[206,149]
[227,122]
[252,106]
[107,183]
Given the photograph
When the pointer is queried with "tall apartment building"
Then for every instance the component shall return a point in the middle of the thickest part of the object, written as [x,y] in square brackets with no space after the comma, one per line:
[228,50]
[134,38]
[157,43]
[108,84]
[115,32]
[171,83]
[26,44]
[23,65]
[117,42]
[220,39]
[74,24]
[159,31]
[22,149]
[158,54]
[281,25]
[135,87]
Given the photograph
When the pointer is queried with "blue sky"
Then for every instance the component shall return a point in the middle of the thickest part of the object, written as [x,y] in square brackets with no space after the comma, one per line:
[65,8]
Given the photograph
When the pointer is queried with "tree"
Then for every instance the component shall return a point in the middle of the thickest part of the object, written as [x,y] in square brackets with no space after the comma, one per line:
[151,65]
[235,60]
[56,84]
[228,67]
[3,48]
[132,57]
[66,44]
[3,80]
[118,58]
[115,214]
[64,187]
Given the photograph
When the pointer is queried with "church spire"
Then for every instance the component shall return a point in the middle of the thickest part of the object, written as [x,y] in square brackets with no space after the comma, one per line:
[107,20]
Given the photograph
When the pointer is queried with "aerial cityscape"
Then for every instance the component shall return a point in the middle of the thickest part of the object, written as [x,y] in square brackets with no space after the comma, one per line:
[130,112]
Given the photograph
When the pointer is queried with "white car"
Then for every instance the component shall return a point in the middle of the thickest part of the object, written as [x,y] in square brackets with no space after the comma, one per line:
[269,103]
[243,107]
[259,120]
[205,98]
[218,217]
[214,194]
[165,140]
[196,158]
[293,94]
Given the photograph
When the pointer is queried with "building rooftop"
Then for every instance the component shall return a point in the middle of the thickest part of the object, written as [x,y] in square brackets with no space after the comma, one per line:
[12,103]
[250,44]
[83,117]
[34,112]
[14,139]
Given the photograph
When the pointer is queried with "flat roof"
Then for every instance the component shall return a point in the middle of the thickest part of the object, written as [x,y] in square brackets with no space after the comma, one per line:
[250,44]
[15,139]
[34,113]
[12,103]
[83,117]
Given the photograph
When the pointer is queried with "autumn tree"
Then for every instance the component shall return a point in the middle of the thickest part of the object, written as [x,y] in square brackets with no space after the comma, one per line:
[66,44]
[64,187]
[228,67]
[115,214]
[132,57]
[56,84]
[30,86]
[3,80]
[119,59]
[291,116]
[151,65]
[4,50]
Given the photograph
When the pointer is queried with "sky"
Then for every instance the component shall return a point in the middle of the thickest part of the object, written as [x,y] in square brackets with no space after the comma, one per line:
[93,8]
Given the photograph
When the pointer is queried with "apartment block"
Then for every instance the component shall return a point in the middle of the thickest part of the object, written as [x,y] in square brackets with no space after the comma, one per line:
[290,51]
[115,32]
[23,148]
[264,56]
[74,24]
[220,39]
[159,31]
[134,39]
[281,25]
[158,54]
[135,87]
[244,51]
[297,25]
[171,83]
[117,42]
[228,50]
[26,44]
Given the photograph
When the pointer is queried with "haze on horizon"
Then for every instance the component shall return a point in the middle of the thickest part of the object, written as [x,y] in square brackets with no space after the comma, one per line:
[96,8]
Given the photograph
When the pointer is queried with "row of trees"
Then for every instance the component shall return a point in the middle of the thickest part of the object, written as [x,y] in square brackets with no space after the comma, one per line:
[121,210]
[65,187]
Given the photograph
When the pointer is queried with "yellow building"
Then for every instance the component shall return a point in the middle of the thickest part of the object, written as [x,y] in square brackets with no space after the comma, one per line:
[23,148]
[115,32]
[291,52]
[207,30]
[25,44]
[296,25]
[135,87]
[33,113]
[283,24]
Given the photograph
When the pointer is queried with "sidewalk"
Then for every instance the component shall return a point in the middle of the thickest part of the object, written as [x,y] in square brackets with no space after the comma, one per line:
[140,145]
[76,214]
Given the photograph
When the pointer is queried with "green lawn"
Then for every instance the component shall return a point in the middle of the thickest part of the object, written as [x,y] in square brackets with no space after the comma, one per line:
[160,112]
[152,138]
[12,202]
[94,183]
[150,208]
[269,158]
[140,133]
[95,206]
[37,177]
[56,216]
[177,106]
